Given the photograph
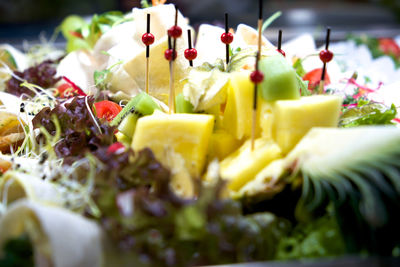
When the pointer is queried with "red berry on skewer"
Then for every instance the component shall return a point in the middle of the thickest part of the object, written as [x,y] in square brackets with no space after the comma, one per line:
[168,54]
[175,31]
[325,56]
[256,76]
[190,54]
[227,38]
[148,39]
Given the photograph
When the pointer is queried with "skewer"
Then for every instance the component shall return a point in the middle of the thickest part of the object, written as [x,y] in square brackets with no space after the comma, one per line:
[147,39]
[227,38]
[256,76]
[170,54]
[190,53]
[280,44]
[325,56]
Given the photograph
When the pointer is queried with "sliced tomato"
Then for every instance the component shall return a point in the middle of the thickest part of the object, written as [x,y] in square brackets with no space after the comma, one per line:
[107,110]
[64,90]
[389,47]
[314,78]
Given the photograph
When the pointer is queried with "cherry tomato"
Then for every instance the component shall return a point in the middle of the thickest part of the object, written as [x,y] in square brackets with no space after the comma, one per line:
[65,90]
[107,110]
[389,47]
[115,148]
[314,77]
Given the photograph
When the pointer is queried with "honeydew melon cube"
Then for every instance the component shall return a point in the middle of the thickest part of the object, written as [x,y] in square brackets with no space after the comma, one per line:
[186,134]
[279,79]
[294,118]
[242,166]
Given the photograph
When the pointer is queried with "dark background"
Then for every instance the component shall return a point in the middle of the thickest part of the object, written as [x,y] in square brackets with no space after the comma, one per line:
[26,19]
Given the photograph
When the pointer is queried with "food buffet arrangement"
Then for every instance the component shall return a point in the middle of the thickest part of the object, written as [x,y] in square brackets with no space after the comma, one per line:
[149,143]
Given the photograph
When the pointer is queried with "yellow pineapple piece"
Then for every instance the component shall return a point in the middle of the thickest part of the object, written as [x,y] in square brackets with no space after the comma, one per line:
[265,117]
[222,144]
[237,118]
[186,134]
[292,119]
[242,166]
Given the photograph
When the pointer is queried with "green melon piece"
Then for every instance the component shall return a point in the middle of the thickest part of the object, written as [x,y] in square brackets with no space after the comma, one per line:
[182,105]
[279,79]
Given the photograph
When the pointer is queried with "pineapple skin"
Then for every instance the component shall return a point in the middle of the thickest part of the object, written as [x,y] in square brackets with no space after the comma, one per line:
[186,134]
[242,165]
[292,119]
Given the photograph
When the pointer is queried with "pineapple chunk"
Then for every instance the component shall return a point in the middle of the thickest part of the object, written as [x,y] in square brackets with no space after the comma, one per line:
[267,182]
[186,134]
[222,144]
[242,165]
[292,119]
[181,182]
[237,118]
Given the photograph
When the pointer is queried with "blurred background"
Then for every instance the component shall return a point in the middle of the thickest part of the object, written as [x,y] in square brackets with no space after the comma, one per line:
[27,19]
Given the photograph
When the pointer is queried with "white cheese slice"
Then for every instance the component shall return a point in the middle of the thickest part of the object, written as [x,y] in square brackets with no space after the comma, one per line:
[79,67]
[209,46]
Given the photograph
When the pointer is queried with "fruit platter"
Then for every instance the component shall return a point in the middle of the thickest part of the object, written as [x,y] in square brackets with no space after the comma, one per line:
[147,142]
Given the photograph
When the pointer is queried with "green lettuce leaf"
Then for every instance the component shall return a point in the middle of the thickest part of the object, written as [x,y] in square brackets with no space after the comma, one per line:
[368,113]
[318,238]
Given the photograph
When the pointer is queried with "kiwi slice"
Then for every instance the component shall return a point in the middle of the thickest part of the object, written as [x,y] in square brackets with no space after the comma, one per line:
[128,124]
[182,105]
[142,104]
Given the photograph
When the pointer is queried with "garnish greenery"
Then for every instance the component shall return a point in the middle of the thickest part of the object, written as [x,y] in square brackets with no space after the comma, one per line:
[145,4]
[368,113]
[80,131]
[147,223]
[271,19]
[41,75]
[17,252]
[373,46]
[316,239]
[102,76]
[82,35]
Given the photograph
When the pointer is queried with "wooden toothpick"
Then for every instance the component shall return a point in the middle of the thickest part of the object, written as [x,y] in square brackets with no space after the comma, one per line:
[255,76]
